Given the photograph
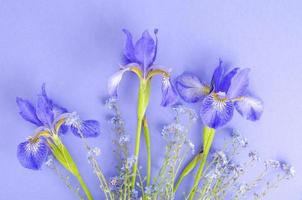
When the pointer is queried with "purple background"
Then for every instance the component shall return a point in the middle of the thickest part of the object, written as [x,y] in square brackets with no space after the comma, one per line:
[74,46]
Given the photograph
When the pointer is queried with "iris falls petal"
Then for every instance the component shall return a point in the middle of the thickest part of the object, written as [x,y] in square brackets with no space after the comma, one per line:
[32,154]
[28,111]
[216,111]
[169,95]
[114,81]
[189,88]
[250,108]
[88,128]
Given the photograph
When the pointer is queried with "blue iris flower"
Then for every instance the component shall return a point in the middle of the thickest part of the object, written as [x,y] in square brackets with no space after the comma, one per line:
[139,58]
[226,92]
[50,119]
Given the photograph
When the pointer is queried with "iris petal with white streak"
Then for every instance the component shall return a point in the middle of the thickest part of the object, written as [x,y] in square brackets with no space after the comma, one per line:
[189,88]
[216,111]
[249,107]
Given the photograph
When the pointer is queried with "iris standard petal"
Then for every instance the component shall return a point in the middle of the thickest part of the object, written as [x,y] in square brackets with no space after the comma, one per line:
[88,128]
[114,82]
[32,155]
[189,88]
[216,111]
[44,110]
[129,48]
[226,81]
[169,95]
[239,84]
[59,110]
[28,111]
[145,51]
[250,108]
[217,77]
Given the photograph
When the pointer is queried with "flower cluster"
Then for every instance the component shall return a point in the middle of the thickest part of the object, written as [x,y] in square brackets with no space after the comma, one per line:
[219,173]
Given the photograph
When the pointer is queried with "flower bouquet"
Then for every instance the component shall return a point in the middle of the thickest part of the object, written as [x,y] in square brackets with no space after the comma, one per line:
[218,173]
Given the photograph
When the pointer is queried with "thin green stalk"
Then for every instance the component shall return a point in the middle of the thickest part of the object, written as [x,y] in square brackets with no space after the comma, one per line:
[188,169]
[148,146]
[208,136]
[136,151]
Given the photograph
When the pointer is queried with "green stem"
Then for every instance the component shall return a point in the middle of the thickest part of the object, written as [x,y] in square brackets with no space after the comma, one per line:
[188,169]
[148,146]
[143,101]
[208,136]
[84,187]
[136,151]
[62,154]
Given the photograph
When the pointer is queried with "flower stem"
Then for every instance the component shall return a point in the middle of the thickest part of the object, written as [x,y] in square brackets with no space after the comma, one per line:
[136,151]
[188,169]
[148,146]
[84,187]
[143,101]
[208,136]
[62,154]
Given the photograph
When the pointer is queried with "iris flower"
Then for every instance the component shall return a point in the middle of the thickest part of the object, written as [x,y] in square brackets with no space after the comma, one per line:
[226,92]
[51,121]
[139,58]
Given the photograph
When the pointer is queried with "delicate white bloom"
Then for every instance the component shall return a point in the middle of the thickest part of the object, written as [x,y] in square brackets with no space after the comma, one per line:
[254,156]
[274,164]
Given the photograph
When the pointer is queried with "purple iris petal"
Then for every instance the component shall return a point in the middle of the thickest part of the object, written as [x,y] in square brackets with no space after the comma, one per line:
[59,110]
[217,77]
[169,95]
[226,81]
[129,48]
[88,128]
[44,110]
[28,111]
[249,107]
[145,51]
[216,110]
[239,84]
[32,155]
[189,88]
[114,81]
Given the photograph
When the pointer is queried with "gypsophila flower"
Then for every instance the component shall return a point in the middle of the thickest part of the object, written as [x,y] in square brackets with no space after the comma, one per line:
[95,151]
[288,170]
[149,190]
[172,129]
[220,158]
[239,140]
[124,139]
[191,146]
[115,183]
[254,156]
[274,164]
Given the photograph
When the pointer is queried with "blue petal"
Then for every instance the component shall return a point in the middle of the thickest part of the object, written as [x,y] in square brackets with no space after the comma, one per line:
[32,155]
[239,84]
[57,111]
[129,48]
[189,88]
[226,81]
[216,111]
[217,76]
[114,82]
[89,128]
[249,107]
[28,111]
[169,95]
[44,108]
[145,51]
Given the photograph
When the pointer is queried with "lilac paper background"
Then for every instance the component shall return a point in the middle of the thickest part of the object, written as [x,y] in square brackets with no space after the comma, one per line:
[74,46]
